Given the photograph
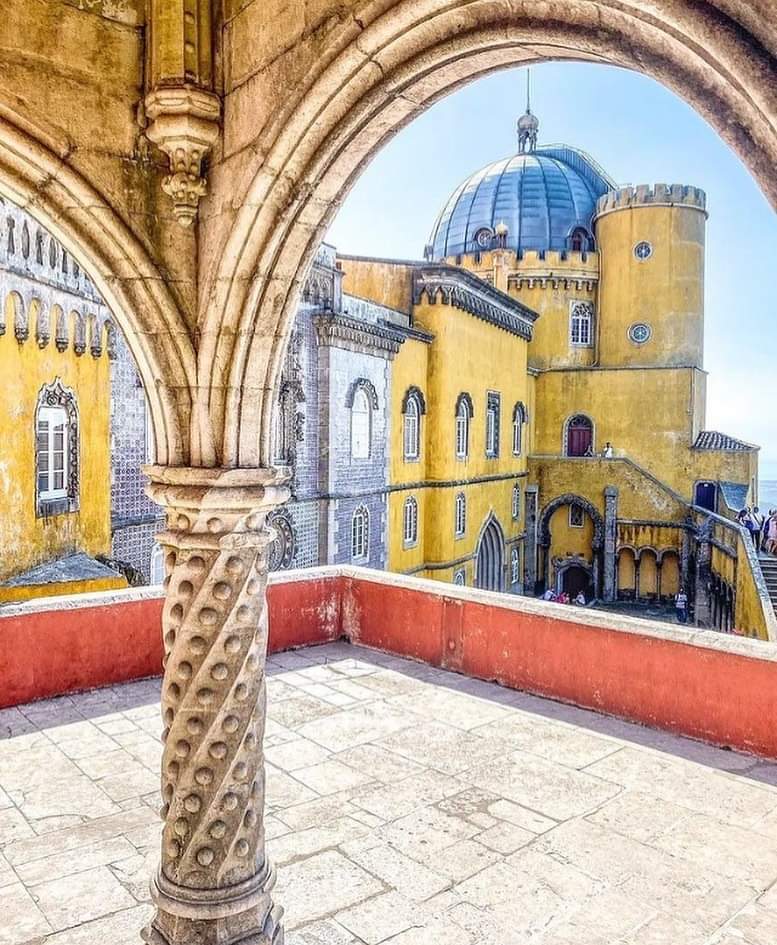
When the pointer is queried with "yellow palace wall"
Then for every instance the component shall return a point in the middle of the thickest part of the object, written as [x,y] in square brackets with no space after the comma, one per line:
[25,539]
[467,355]
[645,414]
[548,285]
[665,291]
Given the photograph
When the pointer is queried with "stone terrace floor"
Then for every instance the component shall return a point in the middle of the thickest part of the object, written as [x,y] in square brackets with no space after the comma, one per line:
[406,805]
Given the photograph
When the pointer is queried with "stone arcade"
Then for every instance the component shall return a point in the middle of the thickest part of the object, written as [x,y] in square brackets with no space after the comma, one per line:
[190,160]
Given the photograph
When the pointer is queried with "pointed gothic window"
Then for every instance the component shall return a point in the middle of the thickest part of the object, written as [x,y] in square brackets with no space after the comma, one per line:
[360,425]
[360,534]
[410,522]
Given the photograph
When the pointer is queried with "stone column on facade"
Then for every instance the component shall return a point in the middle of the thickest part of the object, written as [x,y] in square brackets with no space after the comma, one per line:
[610,585]
[214,883]
[530,546]
[702,603]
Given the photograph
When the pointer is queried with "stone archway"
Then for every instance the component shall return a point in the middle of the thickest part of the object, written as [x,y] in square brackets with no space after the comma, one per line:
[601,564]
[68,206]
[370,75]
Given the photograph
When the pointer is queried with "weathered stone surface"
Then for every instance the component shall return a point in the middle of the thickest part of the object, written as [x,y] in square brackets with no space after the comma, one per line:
[643,860]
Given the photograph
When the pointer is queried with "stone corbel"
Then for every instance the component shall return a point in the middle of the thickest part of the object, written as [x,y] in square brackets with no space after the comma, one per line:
[184,124]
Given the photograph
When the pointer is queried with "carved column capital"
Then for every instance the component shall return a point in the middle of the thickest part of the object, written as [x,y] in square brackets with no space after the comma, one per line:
[214,884]
[184,124]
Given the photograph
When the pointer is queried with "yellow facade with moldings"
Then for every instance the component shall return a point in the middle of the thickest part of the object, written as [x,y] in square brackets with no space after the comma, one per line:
[27,538]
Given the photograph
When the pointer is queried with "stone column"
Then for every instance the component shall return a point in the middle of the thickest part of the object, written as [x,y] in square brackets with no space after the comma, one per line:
[214,883]
[610,588]
[530,546]
[702,603]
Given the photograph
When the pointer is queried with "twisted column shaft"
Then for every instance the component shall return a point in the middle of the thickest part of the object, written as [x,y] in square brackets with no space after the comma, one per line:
[214,883]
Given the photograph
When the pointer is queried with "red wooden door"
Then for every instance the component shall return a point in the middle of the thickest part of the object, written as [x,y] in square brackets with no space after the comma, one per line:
[580,438]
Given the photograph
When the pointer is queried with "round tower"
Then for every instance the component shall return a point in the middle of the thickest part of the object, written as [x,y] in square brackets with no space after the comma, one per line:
[651,283]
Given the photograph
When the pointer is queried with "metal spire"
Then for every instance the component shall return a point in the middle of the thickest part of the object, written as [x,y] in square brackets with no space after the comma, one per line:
[528,124]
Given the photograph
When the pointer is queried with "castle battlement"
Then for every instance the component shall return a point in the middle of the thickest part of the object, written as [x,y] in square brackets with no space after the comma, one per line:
[658,195]
[547,260]
[558,259]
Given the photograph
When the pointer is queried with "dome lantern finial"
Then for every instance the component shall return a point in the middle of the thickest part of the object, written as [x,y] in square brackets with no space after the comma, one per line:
[528,124]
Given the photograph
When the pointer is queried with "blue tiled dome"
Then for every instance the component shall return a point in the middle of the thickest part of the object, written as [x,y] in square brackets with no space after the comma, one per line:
[541,196]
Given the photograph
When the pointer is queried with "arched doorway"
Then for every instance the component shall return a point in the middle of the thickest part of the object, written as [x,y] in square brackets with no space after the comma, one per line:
[575,579]
[579,439]
[489,567]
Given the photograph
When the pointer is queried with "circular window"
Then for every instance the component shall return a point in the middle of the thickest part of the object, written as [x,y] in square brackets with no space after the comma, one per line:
[643,250]
[639,333]
[483,237]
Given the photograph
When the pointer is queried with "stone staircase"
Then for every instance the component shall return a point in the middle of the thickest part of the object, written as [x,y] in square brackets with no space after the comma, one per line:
[769,567]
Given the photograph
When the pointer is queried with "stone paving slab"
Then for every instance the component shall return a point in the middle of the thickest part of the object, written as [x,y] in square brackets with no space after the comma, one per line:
[405,806]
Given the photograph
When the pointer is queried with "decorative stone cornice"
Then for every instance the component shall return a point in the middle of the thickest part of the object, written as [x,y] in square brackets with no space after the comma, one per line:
[448,285]
[340,331]
[184,124]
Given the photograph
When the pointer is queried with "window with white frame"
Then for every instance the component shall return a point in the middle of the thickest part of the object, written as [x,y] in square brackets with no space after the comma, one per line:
[156,566]
[492,424]
[360,534]
[581,324]
[460,577]
[52,453]
[410,522]
[56,450]
[576,516]
[360,425]
[519,418]
[463,416]
[412,409]
[515,566]
[461,515]
[516,503]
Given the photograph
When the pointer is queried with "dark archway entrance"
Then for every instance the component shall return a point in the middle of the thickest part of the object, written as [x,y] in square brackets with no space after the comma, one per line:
[576,579]
[580,436]
[489,572]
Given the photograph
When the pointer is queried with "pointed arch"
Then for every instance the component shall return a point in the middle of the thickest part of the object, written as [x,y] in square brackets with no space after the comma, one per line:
[328,126]
[77,215]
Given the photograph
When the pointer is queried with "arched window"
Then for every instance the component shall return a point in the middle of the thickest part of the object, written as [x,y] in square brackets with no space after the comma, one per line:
[360,425]
[519,418]
[410,522]
[581,324]
[56,450]
[492,424]
[461,515]
[515,566]
[360,534]
[580,241]
[579,436]
[463,417]
[460,578]
[516,504]
[156,567]
[283,431]
[413,407]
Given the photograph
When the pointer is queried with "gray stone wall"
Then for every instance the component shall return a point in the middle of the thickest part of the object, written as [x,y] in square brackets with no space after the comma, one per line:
[328,484]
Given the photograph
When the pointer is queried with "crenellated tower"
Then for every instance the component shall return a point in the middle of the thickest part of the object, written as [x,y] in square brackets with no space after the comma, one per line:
[651,288]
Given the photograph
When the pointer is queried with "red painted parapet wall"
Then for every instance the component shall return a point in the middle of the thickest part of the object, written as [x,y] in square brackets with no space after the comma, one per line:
[707,685]
[62,644]
[711,686]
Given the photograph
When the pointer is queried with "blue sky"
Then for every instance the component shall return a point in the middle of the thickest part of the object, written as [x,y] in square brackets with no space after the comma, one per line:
[639,132]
